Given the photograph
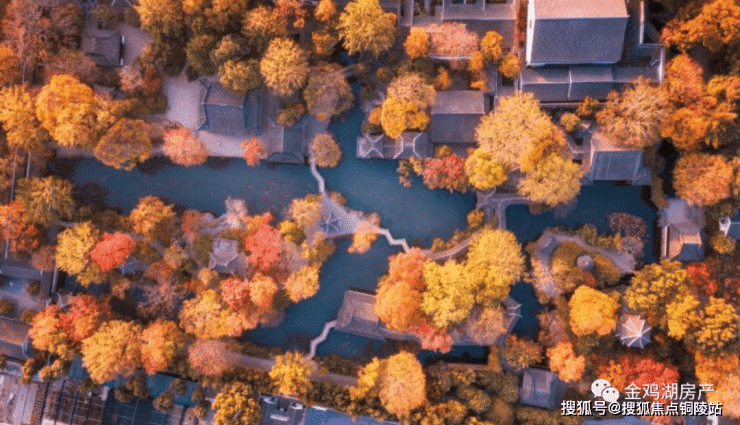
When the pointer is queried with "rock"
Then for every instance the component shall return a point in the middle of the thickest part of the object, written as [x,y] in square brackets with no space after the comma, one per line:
[585,262]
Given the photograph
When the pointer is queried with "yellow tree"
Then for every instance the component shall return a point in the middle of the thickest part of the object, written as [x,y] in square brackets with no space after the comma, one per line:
[45,200]
[124,145]
[716,27]
[290,374]
[47,333]
[152,218]
[236,403]
[284,66]
[510,66]
[554,180]
[74,245]
[518,133]
[565,362]
[72,113]
[162,18]
[161,341]
[490,46]
[494,263]
[18,115]
[204,316]
[633,117]
[654,286]
[303,284]
[702,179]
[325,150]
[417,43]
[592,312]
[401,384]
[449,294]
[484,171]
[365,27]
[405,106]
[111,351]
[717,327]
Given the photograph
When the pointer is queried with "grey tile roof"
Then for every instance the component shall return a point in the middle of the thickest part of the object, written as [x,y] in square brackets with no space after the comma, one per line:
[685,243]
[291,146]
[412,145]
[13,338]
[633,331]
[103,47]
[230,113]
[575,40]
[569,9]
[223,254]
[459,102]
[609,161]
[541,388]
[370,145]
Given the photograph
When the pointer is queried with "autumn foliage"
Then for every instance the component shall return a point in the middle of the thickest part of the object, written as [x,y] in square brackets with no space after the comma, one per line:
[112,250]
[592,312]
[253,151]
[445,173]
[264,247]
[702,179]
[161,341]
[113,350]
[183,148]
[402,384]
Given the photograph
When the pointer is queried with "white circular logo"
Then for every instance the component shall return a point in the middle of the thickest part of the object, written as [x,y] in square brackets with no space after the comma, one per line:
[610,394]
[598,386]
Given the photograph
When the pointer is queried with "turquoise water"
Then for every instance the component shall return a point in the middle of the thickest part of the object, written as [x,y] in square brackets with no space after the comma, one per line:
[417,214]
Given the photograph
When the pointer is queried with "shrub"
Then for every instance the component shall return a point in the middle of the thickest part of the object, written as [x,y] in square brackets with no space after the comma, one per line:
[722,244]
[570,122]
[202,247]
[7,307]
[33,288]
[165,401]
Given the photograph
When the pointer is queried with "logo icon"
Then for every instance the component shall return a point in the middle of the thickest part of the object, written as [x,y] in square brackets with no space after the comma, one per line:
[603,388]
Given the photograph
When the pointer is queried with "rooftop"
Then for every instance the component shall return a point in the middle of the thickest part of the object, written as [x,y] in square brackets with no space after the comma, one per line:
[455,102]
[572,9]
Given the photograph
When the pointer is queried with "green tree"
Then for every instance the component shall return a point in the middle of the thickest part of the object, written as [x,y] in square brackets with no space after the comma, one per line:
[284,66]
[18,115]
[518,133]
[45,200]
[494,263]
[236,403]
[240,76]
[162,18]
[449,293]
[484,172]
[633,117]
[124,145]
[327,92]
[654,286]
[111,351]
[290,374]
[73,114]
[554,180]
[365,27]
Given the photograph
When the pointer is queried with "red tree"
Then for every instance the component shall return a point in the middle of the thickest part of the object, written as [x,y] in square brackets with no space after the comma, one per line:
[112,250]
[408,267]
[253,151]
[84,316]
[15,228]
[638,369]
[445,173]
[235,293]
[265,246]
[703,276]
[431,337]
[183,148]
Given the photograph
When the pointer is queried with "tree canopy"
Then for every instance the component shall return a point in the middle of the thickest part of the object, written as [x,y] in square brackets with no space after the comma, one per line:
[401,384]
[113,350]
[18,115]
[592,312]
[290,374]
[236,403]
[449,294]
[494,263]
[365,27]
[183,148]
[325,150]
[45,200]
[554,180]
[654,286]
[327,92]
[518,133]
[702,179]
[124,145]
[284,66]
